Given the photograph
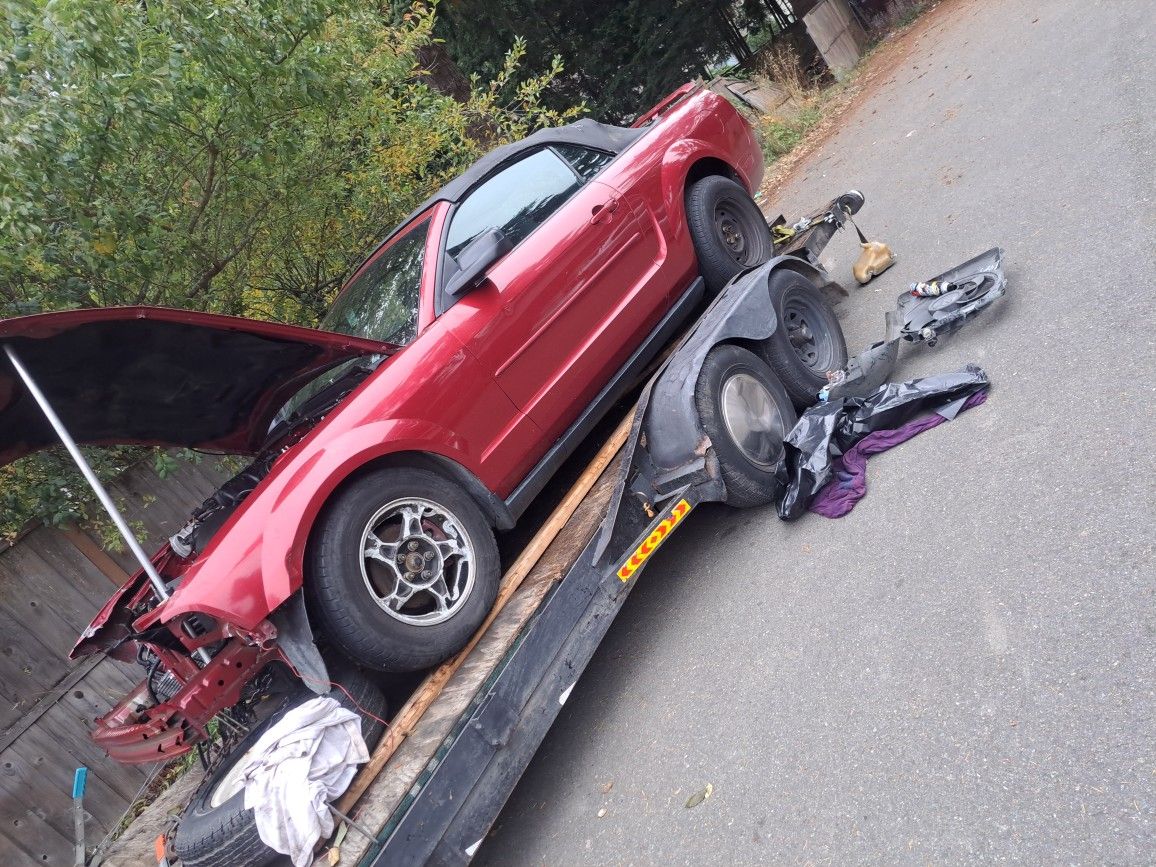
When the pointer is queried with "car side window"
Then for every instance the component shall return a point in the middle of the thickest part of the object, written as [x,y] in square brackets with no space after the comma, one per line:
[516,200]
[584,161]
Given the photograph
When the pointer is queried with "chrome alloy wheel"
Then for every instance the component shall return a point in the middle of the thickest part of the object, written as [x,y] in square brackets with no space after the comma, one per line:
[752,419]
[417,561]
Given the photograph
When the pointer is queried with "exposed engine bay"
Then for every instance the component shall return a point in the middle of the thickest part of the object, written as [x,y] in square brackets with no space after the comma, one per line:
[169,712]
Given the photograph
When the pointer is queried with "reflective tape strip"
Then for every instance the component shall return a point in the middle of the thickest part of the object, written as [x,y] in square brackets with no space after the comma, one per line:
[650,543]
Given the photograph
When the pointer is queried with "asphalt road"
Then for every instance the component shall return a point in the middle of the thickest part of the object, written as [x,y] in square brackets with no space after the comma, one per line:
[963,668]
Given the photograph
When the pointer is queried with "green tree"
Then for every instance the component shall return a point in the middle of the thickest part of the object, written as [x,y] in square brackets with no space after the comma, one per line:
[620,56]
[237,156]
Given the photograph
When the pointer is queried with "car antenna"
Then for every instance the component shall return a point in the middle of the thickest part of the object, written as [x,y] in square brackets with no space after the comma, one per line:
[130,539]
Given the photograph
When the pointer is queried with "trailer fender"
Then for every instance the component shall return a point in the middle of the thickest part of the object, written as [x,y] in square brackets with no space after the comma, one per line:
[675,439]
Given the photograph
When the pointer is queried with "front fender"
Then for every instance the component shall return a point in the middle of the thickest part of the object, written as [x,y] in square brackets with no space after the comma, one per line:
[256,560]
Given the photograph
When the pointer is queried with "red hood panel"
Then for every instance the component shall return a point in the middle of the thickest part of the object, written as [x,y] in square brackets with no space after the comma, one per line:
[155,376]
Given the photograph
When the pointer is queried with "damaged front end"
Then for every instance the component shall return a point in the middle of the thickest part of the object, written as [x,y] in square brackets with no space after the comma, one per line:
[195,668]
[173,378]
[169,712]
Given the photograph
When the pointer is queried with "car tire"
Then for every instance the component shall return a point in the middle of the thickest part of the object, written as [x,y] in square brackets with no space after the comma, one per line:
[808,341]
[746,412]
[225,834]
[403,569]
[728,230]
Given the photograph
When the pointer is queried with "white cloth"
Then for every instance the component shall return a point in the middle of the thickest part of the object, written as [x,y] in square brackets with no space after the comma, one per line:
[305,760]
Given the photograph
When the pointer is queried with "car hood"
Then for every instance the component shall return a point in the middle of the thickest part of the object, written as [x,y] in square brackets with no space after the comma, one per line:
[155,376]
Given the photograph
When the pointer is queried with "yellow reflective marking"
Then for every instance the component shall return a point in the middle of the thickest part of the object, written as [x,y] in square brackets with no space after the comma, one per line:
[650,543]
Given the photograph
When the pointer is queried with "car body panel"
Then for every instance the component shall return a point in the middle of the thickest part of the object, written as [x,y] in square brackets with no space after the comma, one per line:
[155,376]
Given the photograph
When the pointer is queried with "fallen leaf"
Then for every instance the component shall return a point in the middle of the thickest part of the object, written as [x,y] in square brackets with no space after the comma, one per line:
[700,796]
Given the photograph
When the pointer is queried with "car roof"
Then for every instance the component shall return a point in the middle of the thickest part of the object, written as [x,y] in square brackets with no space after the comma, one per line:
[585,133]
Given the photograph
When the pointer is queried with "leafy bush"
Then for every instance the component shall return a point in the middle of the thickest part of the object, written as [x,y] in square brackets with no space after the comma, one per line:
[779,136]
[236,156]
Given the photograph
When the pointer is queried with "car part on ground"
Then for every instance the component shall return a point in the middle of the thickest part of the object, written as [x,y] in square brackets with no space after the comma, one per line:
[848,483]
[875,258]
[832,428]
[917,317]
[728,229]
[746,412]
[216,829]
[808,343]
[403,569]
[975,284]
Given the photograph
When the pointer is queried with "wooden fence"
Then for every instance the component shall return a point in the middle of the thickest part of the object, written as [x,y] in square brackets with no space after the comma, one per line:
[52,582]
[837,34]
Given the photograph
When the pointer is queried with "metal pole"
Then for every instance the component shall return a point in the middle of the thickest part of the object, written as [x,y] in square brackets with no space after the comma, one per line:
[79,781]
[98,488]
[361,829]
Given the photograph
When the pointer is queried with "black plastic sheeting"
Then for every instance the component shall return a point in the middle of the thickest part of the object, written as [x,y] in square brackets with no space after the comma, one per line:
[828,430]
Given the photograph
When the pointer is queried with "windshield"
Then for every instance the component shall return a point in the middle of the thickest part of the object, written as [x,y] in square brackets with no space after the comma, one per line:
[349,373]
[381,302]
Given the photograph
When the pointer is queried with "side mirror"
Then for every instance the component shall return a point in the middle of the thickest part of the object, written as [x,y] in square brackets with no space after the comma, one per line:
[476,258]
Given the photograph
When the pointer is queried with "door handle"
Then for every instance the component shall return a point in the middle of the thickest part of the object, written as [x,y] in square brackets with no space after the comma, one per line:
[603,213]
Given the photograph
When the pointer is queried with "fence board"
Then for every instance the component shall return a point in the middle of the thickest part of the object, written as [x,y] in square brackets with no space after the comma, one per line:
[52,582]
[36,711]
[49,562]
[11,855]
[32,805]
[45,600]
[95,554]
[836,33]
[27,667]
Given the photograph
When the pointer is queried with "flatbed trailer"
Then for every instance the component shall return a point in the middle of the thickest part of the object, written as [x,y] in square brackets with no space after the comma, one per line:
[453,754]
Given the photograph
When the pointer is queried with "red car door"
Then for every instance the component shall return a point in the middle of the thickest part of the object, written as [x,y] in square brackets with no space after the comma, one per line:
[564,309]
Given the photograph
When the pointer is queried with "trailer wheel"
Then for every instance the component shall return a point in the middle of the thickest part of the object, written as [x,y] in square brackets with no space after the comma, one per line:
[808,341]
[729,232]
[746,413]
[216,830]
[404,568]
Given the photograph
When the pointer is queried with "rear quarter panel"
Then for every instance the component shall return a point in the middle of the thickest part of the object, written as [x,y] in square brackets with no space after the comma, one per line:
[653,173]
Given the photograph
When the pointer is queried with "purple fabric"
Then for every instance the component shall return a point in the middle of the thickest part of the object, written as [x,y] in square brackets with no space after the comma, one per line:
[848,483]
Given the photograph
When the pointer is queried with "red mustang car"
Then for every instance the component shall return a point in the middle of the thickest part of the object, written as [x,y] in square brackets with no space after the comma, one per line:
[461,364]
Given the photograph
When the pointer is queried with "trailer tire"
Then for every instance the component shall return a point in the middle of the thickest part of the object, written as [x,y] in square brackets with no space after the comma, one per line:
[746,412]
[389,524]
[808,341]
[225,835]
[728,230]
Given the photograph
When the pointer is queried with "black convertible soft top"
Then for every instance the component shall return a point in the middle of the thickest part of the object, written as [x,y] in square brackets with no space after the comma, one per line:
[586,133]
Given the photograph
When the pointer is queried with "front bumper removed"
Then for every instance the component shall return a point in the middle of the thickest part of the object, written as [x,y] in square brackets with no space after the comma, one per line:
[138,730]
